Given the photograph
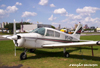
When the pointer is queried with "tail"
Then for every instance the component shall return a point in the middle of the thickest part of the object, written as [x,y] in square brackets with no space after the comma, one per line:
[78,30]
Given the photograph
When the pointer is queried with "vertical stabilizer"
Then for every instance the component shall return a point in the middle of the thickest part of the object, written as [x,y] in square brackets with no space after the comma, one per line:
[78,30]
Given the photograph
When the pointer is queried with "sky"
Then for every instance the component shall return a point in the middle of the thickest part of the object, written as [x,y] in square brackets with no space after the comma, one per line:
[67,13]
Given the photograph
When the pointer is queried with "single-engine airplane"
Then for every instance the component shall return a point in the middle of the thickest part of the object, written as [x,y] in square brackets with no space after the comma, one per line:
[49,38]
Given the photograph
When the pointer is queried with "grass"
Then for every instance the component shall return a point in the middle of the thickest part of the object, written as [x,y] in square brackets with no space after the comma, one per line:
[91,33]
[94,37]
[50,58]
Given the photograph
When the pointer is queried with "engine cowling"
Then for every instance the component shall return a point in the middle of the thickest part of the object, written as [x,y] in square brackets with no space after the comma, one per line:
[18,40]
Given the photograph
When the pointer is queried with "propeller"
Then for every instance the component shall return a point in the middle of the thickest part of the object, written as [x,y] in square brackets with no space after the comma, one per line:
[17,39]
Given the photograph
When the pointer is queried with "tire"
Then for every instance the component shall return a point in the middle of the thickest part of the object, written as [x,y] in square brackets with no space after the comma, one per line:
[32,50]
[66,54]
[23,56]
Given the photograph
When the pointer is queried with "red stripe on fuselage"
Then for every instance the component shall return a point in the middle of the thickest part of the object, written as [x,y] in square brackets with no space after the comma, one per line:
[54,40]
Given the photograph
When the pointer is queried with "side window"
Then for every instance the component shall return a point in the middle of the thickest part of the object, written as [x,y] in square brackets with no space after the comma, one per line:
[57,34]
[50,33]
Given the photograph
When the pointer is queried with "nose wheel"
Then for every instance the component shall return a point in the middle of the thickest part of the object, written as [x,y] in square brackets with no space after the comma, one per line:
[23,55]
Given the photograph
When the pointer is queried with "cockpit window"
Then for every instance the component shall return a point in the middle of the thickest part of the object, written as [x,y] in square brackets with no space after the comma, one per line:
[39,31]
[34,30]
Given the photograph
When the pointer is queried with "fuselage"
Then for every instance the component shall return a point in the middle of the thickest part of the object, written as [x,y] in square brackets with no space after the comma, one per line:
[41,36]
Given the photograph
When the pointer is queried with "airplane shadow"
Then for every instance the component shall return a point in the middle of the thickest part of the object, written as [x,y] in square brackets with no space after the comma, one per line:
[85,57]
[43,54]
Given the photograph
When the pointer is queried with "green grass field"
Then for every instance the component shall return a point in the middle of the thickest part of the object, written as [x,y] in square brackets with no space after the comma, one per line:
[91,33]
[50,58]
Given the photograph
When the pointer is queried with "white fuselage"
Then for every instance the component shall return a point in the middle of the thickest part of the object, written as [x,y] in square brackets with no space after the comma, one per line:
[50,36]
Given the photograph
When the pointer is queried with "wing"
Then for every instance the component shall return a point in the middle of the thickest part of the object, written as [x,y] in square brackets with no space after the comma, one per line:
[76,44]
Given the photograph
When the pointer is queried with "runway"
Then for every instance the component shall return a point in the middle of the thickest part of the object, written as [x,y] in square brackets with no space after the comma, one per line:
[88,34]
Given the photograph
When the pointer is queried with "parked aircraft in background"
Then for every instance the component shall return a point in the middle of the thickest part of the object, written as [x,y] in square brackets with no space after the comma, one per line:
[49,38]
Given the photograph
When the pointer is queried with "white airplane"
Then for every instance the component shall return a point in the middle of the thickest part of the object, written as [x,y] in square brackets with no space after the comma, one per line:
[48,38]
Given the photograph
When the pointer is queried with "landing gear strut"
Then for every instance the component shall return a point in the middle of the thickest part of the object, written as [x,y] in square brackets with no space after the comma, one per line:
[66,54]
[23,55]
[92,50]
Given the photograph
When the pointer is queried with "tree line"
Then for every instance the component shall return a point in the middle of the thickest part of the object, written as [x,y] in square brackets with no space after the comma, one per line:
[10,25]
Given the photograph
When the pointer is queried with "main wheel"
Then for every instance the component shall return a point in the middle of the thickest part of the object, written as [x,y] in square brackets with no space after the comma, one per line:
[23,56]
[66,54]
[32,50]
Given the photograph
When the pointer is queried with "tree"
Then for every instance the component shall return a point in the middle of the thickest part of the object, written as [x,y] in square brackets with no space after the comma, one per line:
[53,27]
[10,26]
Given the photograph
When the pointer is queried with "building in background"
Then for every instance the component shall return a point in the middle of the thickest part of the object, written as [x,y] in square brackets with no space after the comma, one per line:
[6,23]
[86,26]
[0,25]
[30,27]
[98,29]
[3,24]
[92,27]
[59,27]
[76,26]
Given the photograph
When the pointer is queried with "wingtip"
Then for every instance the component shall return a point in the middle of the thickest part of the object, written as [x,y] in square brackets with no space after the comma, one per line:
[98,43]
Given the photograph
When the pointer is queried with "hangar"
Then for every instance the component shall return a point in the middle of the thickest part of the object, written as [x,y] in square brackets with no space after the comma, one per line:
[98,29]
[30,27]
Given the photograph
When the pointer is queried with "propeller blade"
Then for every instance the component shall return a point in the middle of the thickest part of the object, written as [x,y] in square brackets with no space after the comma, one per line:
[15,36]
[14,28]
[15,46]
[5,36]
[15,50]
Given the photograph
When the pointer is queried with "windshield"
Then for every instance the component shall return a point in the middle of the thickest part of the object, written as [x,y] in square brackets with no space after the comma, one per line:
[39,31]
